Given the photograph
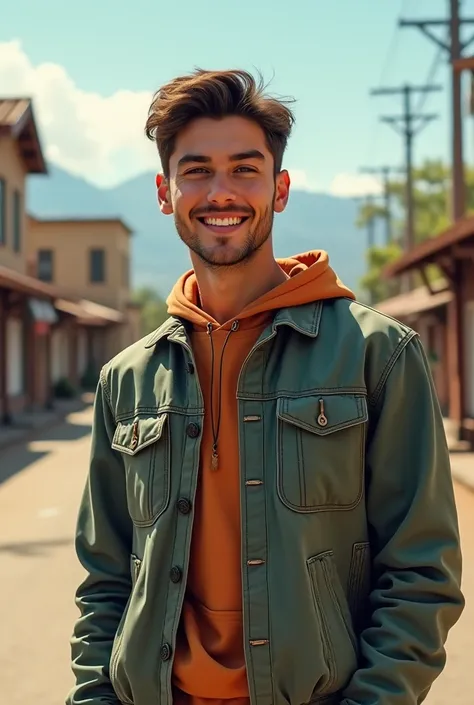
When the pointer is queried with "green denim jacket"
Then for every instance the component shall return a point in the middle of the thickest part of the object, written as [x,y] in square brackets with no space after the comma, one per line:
[350,549]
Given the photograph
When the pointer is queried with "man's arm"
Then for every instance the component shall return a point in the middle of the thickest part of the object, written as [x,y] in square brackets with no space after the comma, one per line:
[416,596]
[103,545]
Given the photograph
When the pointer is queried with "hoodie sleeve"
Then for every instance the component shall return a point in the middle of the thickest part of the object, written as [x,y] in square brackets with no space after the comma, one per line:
[416,596]
[103,546]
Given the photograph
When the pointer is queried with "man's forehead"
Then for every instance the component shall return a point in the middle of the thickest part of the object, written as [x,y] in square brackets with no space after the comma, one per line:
[220,139]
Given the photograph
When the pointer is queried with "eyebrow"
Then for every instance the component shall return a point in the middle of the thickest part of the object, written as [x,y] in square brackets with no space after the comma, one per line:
[239,157]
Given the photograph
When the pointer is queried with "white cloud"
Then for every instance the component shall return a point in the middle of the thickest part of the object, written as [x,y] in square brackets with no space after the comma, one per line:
[301,181]
[98,137]
[101,137]
[355,185]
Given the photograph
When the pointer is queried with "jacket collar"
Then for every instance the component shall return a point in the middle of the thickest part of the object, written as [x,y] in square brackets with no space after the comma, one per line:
[305,319]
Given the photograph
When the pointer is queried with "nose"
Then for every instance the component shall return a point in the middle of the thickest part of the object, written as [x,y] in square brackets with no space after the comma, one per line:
[220,192]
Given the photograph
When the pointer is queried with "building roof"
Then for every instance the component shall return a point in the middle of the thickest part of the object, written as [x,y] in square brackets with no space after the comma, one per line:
[80,220]
[432,249]
[414,302]
[17,120]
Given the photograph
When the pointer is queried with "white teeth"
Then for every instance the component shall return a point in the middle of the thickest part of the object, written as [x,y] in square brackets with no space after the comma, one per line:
[223,222]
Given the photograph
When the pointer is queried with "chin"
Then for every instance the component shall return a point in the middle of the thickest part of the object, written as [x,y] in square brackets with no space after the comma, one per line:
[224,256]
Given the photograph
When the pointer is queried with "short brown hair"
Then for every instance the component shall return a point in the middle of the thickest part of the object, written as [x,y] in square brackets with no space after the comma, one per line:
[217,94]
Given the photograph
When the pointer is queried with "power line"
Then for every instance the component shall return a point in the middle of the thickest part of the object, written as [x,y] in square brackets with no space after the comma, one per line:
[433,70]
[391,50]
[384,172]
[454,46]
[408,125]
[390,57]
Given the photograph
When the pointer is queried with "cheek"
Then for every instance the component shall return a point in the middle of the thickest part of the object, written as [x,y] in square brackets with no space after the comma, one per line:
[260,193]
[183,199]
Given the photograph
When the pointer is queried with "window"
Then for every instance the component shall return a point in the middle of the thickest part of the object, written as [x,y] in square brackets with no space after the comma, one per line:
[97,266]
[17,221]
[45,265]
[3,220]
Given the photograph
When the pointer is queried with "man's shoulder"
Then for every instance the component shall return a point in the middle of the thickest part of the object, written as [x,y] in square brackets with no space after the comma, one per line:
[371,323]
[375,339]
[137,355]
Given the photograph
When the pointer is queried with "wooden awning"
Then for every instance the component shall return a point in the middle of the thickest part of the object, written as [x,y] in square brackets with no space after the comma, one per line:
[86,312]
[89,313]
[22,283]
[453,244]
[415,302]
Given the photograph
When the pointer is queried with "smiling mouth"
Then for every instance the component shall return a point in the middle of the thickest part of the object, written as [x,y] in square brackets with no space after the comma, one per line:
[227,222]
[223,225]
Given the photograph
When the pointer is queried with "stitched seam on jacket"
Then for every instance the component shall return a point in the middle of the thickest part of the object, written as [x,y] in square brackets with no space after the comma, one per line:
[105,387]
[373,400]
[268,396]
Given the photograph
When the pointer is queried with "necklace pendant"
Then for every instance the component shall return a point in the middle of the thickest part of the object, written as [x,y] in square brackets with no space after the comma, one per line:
[214,460]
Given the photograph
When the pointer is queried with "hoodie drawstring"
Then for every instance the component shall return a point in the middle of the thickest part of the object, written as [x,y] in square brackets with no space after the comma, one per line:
[216,426]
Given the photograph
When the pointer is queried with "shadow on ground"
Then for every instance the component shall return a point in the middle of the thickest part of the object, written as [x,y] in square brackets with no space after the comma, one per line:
[65,432]
[19,457]
[34,548]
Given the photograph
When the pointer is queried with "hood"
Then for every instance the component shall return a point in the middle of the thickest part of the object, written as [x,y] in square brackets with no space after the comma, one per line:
[310,278]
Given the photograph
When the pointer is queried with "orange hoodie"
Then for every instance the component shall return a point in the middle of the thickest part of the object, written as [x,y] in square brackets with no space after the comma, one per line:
[209,665]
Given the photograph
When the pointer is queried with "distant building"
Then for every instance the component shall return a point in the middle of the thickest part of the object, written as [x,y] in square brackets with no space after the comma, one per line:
[89,259]
[444,317]
[64,285]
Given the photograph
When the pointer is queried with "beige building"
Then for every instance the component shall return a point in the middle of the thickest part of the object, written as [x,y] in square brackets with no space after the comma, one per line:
[64,285]
[20,155]
[89,260]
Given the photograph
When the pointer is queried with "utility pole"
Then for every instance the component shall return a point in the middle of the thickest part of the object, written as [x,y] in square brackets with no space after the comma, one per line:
[454,47]
[408,125]
[370,222]
[384,172]
[368,202]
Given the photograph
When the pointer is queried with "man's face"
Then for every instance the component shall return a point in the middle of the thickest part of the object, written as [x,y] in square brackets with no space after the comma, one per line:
[222,189]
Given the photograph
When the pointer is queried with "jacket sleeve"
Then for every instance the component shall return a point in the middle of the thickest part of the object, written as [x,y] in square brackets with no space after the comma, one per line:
[103,546]
[416,559]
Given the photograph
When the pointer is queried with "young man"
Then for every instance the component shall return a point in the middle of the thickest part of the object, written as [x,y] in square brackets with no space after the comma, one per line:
[269,513]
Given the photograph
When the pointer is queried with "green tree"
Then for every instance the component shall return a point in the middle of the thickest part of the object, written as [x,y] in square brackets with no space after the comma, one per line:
[432,203]
[372,283]
[153,309]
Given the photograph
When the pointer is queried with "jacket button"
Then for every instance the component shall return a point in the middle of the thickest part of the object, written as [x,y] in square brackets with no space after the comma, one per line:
[190,368]
[165,652]
[175,574]
[184,505]
[193,430]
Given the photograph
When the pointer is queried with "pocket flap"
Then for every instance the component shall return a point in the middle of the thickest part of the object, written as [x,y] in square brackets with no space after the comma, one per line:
[132,436]
[324,413]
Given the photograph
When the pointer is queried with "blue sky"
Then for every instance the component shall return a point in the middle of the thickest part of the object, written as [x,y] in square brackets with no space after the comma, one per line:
[91,67]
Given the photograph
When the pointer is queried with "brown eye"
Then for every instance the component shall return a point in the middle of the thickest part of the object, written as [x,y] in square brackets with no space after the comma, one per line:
[197,170]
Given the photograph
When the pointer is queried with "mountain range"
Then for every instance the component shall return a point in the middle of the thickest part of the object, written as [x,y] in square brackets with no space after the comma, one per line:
[311,221]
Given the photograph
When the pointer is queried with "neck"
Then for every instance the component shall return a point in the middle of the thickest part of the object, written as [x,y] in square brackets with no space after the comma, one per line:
[226,291]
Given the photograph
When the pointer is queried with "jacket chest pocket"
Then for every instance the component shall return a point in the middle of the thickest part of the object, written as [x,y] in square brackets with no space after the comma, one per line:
[145,447]
[320,445]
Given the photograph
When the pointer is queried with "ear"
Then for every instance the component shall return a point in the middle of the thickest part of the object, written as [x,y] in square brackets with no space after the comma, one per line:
[163,193]
[282,191]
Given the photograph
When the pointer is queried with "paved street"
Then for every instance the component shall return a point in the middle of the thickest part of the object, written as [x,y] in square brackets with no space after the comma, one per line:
[40,487]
